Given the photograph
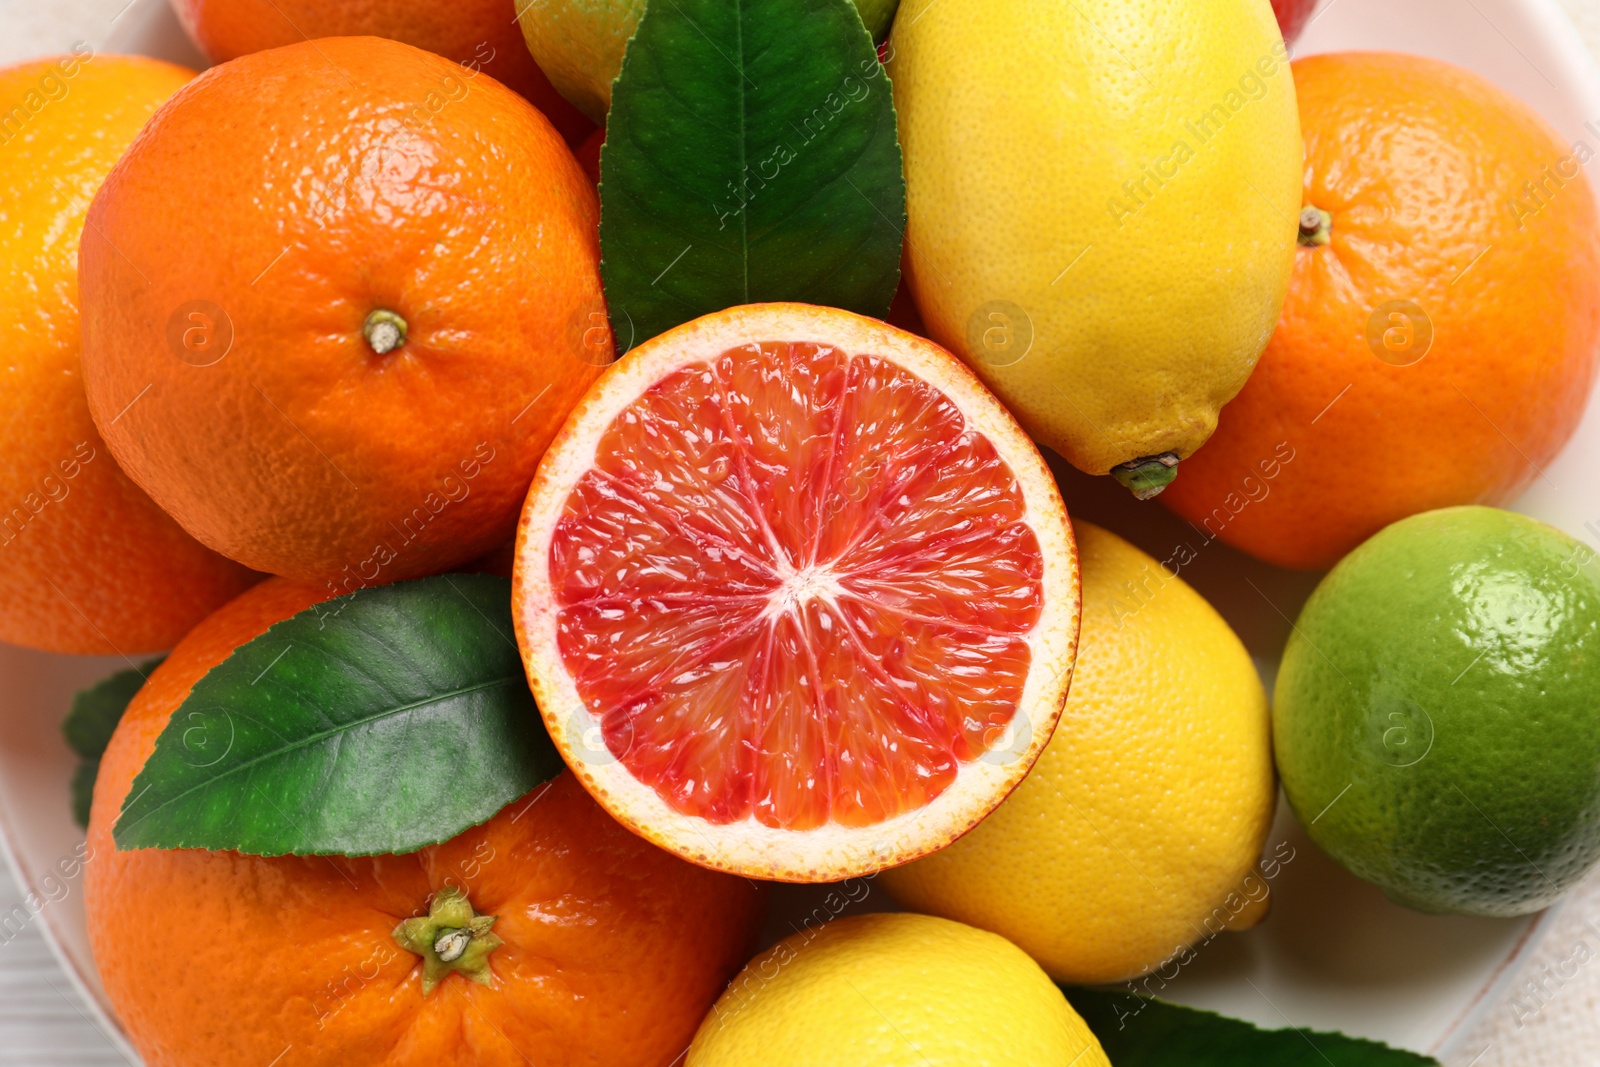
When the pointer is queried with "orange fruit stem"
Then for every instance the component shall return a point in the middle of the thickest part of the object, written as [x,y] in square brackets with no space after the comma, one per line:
[384,330]
[452,937]
[1316,227]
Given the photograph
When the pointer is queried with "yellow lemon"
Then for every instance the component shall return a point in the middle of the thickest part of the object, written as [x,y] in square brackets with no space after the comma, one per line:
[1103,201]
[893,991]
[1138,831]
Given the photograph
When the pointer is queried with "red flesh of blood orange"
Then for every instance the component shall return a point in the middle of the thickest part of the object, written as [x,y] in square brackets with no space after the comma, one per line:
[794,584]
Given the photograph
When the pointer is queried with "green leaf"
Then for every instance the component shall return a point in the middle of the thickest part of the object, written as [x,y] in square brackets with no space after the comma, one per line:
[750,156]
[1138,1031]
[97,710]
[82,791]
[89,725]
[379,722]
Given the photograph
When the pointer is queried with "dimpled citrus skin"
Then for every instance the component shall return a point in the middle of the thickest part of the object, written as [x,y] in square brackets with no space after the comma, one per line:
[1027,138]
[1418,163]
[478,34]
[1435,712]
[893,991]
[1134,833]
[88,563]
[355,181]
[613,949]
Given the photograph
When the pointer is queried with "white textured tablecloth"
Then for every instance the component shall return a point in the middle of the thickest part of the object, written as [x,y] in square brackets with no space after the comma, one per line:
[1550,1019]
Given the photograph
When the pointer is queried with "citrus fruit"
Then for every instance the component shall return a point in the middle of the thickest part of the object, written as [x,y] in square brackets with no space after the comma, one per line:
[88,564]
[1100,210]
[1437,346]
[893,991]
[580,43]
[480,35]
[610,951]
[1434,714]
[1137,832]
[796,596]
[337,349]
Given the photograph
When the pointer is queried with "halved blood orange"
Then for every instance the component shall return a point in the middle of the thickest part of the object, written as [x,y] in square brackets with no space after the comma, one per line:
[797,597]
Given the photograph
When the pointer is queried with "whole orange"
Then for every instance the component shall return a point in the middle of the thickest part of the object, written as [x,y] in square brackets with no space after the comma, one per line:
[88,563]
[1438,348]
[478,34]
[338,301]
[612,950]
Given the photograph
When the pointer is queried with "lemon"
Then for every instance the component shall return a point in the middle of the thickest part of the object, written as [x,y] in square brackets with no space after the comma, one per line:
[1102,209]
[1138,831]
[893,991]
[580,43]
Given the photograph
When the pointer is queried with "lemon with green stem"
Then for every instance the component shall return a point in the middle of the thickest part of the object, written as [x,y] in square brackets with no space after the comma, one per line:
[1102,203]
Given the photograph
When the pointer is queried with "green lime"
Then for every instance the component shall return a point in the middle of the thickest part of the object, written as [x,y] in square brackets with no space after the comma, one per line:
[1437,715]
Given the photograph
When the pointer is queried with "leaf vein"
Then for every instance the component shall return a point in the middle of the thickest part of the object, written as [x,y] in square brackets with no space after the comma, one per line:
[248,766]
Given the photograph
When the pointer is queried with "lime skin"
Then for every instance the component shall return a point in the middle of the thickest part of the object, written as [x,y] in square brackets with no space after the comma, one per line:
[1437,714]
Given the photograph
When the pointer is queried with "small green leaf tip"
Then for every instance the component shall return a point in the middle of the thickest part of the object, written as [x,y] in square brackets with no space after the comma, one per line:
[1147,476]
[452,937]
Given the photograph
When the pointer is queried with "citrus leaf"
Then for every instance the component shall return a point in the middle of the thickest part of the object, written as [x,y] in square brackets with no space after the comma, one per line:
[383,721]
[1139,1031]
[91,722]
[750,156]
[81,790]
[97,710]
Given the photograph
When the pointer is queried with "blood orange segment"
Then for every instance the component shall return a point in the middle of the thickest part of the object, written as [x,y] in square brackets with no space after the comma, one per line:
[782,569]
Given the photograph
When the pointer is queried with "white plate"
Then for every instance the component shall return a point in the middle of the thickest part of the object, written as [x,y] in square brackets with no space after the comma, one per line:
[1334,954]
